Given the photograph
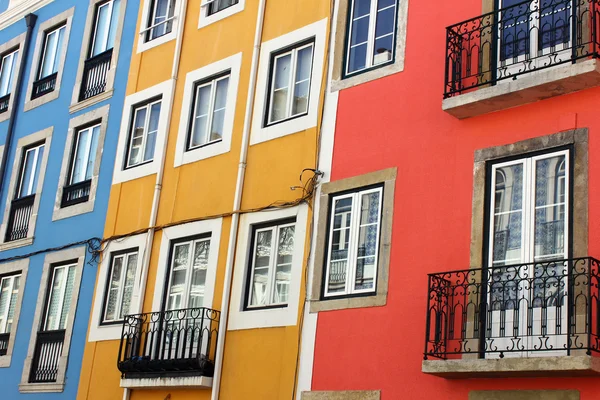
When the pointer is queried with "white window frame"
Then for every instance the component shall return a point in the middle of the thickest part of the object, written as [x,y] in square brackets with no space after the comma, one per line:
[122,174]
[241,318]
[353,242]
[147,9]
[88,149]
[206,19]
[125,255]
[99,331]
[12,54]
[4,313]
[145,133]
[97,8]
[275,229]
[171,4]
[35,150]
[54,51]
[293,53]
[318,33]
[182,154]
[212,83]
[61,294]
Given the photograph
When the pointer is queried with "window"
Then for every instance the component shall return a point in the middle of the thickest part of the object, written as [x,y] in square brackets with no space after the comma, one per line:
[161,19]
[7,71]
[59,297]
[30,171]
[208,112]
[187,277]
[289,89]
[354,230]
[9,292]
[105,27]
[272,254]
[50,59]
[120,285]
[371,34]
[214,6]
[144,129]
[84,154]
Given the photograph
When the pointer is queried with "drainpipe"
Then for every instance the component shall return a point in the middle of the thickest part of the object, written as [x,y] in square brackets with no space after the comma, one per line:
[30,20]
[237,202]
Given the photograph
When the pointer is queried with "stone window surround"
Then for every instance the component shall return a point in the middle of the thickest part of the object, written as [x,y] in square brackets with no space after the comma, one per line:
[16,42]
[75,254]
[387,177]
[97,115]
[6,269]
[77,105]
[67,17]
[339,49]
[342,395]
[206,19]
[45,136]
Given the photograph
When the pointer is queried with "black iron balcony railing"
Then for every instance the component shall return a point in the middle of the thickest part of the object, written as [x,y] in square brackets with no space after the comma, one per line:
[94,75]
[519,39]
[4,337]
[46,356]
[547,307]
[169,343]
[18,221]
[4,101]
[76,193]
[43,86]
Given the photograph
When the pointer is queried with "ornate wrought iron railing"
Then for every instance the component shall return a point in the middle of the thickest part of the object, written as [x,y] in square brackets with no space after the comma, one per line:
[94,75]
[46,356]
[76,193]
[43,86]
[4,338]
[519,39]
[550,307]
[4,101]
[18,220]
[175,343]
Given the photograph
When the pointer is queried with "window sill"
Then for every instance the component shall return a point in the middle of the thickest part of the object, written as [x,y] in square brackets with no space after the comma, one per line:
[526,89]
[342,303]
[90,102]
[41,387]
[563,366]
[5,361]
[206,20]
[198,382]
[15,244]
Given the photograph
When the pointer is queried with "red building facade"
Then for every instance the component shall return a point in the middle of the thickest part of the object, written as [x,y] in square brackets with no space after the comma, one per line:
[457,233]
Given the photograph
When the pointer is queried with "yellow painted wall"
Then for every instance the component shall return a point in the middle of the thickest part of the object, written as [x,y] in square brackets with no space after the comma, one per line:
[258,363]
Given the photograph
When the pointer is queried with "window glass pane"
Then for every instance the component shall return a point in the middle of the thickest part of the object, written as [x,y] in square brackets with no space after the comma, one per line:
[361,7]
[179,266]
[152,129]
[281,82]
[114,19]
[38,166]
[32,160]
[6,74]
[50,50]
[68,295]
[360,30]
[368,236]
[199,267]
[137,136]
[128,287]
[219,5]
[5,295]
[384,34]
[216,132]
[340,240]
[13,303]
[199,136]
[302,81]
[92,153]
[79,169]
[54,306]
[262,261]
[164,10]
[285,252]
[508,215]
[113,290]
[102,27]
[358,58]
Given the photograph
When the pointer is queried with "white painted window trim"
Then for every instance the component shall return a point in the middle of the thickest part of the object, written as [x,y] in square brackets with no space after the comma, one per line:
[40,45]
[76,105]
[121,174]
[206,19]
[142,44]
[98,332]
[12,44]
[98,114]
[44,136]
[19,9]
[260,133]
[13,268]
[275,317]
[212,226]
[78,256]
[232,64]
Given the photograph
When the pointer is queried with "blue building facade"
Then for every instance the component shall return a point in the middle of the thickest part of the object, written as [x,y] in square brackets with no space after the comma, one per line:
[63,74]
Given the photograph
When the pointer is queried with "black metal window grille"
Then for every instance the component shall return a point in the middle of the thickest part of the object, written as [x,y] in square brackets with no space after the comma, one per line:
[169,343]
[44,86]
[46,356]
[519,39]
[95,71]
[214,6]
[19,217]
[76,193]
[4,101]
[4,338]
[550,307]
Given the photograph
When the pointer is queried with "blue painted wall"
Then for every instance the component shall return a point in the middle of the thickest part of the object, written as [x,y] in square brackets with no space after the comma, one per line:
[50,234]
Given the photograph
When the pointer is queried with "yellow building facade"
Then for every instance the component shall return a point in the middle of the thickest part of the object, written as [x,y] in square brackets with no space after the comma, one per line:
[201,286]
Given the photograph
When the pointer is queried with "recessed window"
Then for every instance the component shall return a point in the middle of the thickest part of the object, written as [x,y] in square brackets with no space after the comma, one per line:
[290,83]
[371,34]
[354,231]
[208,112]
[161,19]
[7,71]
[9,292]
[30,170]
[83,160]
[271,258]
[49,63]
[120,285]
[214,6]
[142,137]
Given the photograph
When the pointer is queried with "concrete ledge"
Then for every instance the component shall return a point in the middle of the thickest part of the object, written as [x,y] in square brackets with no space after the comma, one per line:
[524,395]
[564,366]
[527,88]
[41,387]
[342,395]
[198,382]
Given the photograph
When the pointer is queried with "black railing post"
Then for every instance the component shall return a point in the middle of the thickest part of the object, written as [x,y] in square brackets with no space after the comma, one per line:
[574,29]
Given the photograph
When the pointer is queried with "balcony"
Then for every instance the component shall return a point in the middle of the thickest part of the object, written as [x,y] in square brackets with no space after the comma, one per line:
[76,193]
[44,86]
[169,348]
[18,221]
[4,338]
[4,101]
[536,319]
[46,356]
[520,54]
[95,71]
